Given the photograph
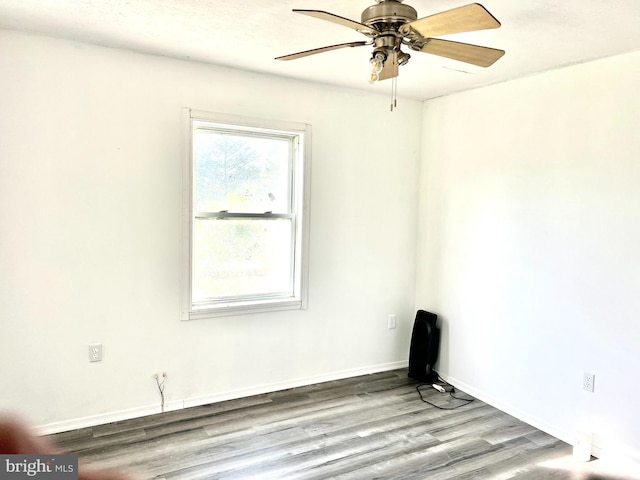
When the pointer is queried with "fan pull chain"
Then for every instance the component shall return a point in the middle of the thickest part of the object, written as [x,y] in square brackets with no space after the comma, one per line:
[394,93]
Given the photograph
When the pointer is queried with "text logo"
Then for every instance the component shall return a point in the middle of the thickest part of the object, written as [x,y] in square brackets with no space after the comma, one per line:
[51,467]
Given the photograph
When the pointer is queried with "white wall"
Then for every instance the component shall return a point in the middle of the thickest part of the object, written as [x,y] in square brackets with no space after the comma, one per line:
[529,245]
[90,192]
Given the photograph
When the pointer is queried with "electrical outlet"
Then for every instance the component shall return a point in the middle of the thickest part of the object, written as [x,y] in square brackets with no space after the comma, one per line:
[391,321]
[95,352]
[588,380]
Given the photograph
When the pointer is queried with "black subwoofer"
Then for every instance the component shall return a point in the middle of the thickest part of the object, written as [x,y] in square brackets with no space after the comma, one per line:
[425,345]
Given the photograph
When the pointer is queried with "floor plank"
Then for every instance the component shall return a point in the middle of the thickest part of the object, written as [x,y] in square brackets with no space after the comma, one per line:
[368,427]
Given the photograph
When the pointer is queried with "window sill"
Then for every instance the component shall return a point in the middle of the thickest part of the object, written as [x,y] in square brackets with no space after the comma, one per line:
[242,308]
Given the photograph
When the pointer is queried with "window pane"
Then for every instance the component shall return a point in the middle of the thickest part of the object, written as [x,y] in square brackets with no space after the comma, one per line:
[237,258]
[241,173]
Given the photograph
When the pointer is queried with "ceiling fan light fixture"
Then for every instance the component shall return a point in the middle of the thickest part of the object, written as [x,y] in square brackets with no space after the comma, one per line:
[377,63]
[403,58]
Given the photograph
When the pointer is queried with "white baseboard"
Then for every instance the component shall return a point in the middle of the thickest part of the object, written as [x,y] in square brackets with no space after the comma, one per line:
[101,419]
[599,448]
[509,409]
[300,382]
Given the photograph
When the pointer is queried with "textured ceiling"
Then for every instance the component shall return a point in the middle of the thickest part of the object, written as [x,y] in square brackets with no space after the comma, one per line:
[537,35]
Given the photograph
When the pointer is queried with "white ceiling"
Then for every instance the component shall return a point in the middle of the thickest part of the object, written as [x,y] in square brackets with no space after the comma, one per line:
[537,35]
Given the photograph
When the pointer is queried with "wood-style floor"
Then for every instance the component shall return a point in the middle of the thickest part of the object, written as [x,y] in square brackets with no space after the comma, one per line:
[368,427]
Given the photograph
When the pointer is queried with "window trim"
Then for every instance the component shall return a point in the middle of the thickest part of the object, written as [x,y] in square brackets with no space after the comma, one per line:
[302,179]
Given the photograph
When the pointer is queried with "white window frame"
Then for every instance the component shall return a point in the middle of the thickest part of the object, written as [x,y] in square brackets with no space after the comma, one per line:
[301,184]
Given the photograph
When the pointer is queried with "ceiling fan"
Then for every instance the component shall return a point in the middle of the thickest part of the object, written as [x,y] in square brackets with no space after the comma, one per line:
[390,24]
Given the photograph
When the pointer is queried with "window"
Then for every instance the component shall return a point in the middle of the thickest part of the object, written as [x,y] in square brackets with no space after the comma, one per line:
[245,202]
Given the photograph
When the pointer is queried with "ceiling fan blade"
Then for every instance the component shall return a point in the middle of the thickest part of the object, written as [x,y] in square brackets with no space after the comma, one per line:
[293,56]
[345,22]
[390,67]
[462,19]
[464,52]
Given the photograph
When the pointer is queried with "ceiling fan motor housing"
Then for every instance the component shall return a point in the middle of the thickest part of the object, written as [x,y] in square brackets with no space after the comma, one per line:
[390,12]
[387,16]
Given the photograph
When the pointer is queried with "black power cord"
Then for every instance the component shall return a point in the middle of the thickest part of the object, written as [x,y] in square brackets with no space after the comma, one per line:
[466,401]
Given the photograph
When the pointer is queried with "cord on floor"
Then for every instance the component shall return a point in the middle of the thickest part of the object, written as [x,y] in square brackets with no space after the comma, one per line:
[466,401]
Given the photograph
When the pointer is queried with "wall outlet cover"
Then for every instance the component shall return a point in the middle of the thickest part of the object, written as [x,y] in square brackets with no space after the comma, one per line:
[95,352]
[588,380]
